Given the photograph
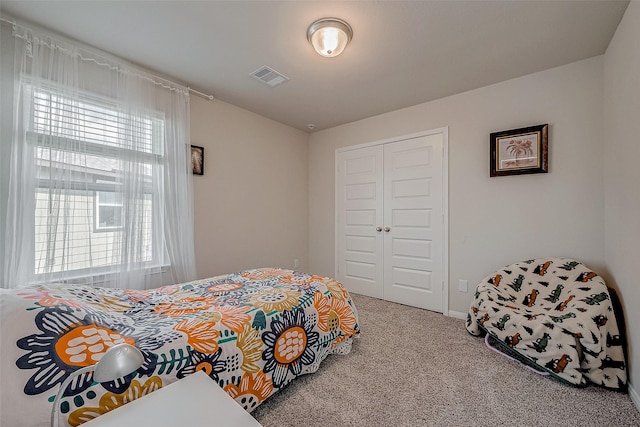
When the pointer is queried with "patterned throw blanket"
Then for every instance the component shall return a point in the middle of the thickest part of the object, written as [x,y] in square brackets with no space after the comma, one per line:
[556,313]
[252,332]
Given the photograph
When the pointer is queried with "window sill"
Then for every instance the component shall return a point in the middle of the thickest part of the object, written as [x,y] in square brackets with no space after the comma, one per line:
[97,278]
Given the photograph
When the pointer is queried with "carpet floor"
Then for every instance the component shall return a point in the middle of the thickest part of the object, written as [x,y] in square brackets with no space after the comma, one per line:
[413,367]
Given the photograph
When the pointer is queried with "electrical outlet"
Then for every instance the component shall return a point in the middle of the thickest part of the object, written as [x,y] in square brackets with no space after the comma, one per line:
[463,286]
[296,263]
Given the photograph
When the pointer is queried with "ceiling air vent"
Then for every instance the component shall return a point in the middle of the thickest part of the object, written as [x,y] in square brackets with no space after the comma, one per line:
[269,76]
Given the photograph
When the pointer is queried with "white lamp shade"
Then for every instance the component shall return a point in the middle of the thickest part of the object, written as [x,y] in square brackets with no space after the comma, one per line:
[329,36]
[119,361]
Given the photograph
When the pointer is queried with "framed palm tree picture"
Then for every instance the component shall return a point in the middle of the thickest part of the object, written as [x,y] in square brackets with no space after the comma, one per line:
[519,151]
[197,160]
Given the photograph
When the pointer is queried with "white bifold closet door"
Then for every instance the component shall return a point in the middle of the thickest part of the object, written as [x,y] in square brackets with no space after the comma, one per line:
[389,227]
[360,244]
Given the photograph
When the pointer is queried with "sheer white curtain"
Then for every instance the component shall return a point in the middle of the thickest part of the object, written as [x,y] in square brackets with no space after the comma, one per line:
[99,174]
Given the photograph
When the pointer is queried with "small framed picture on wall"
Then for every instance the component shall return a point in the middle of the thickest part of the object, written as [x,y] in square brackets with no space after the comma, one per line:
[519,151]
[197,160]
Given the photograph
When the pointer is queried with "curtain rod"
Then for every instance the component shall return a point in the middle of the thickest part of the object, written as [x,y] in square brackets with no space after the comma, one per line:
[201,94]
[191,90]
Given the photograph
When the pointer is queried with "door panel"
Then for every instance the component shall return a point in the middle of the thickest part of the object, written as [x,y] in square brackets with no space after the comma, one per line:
[411,279]
[412,248]
[359,213]
[410,187]
[413,212]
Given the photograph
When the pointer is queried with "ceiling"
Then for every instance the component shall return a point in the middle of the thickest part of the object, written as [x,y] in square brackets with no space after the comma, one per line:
[403,53]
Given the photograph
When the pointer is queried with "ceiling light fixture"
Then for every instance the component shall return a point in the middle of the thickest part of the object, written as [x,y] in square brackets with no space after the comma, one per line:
[329,36]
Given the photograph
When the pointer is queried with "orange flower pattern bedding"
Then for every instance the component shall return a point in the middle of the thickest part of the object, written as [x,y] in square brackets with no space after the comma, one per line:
[252,332]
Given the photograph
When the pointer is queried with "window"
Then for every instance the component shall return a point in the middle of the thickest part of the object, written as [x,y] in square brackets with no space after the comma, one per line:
[108,211]
[99,184]
[96,185]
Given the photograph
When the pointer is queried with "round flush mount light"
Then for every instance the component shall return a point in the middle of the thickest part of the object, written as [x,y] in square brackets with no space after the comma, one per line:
[329,36]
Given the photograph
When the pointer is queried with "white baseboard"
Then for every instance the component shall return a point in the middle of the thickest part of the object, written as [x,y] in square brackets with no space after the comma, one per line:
[635,398]
[458,314]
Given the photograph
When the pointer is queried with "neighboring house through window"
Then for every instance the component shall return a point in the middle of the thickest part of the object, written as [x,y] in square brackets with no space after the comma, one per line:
[108,211]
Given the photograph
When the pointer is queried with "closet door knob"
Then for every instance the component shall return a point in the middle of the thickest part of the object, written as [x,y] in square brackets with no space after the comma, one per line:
[378,229]
[387,229]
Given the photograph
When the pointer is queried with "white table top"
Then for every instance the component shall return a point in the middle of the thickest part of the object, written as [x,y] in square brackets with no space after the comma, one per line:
[193,401]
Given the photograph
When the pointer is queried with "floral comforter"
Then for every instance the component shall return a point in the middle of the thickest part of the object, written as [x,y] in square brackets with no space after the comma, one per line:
[252,332]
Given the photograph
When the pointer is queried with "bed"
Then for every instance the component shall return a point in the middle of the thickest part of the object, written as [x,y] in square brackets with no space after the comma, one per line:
[252,332]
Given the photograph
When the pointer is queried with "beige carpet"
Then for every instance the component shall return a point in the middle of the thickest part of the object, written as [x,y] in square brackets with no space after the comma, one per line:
[413,367]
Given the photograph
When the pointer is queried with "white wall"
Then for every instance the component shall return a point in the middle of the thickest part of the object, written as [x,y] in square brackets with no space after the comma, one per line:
[622,175]
[251,203]
[493,221]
